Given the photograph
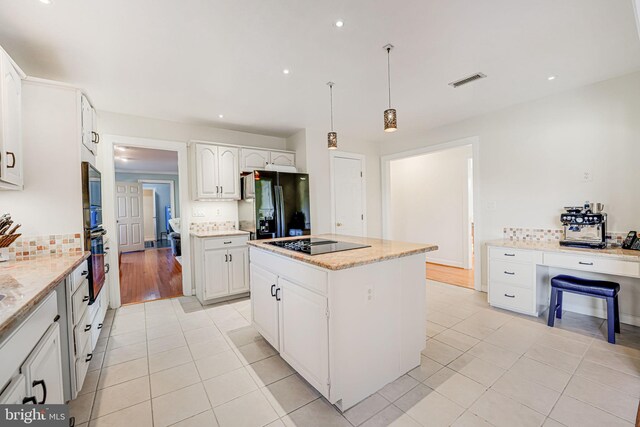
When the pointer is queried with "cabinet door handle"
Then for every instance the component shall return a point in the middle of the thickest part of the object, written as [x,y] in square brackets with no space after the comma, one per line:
[230,258]
[85,298]
[226,258]
[509,296]
[509,254]
[31,399]
[278,294]
[99,325]
[87,328]
[89,357]
[84,273]
[229,242]
[107,267]
[510,273]
[217,189]
[585,263]
[273,288]
[44,390]
[13,160]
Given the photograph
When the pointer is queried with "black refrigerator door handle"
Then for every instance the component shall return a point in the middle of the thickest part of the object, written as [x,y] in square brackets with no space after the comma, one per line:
[276,195]
[281,226]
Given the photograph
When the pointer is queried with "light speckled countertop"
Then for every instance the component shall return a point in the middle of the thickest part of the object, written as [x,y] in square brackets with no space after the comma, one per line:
[380,250]
[219,233]
[617,253]
[26,283]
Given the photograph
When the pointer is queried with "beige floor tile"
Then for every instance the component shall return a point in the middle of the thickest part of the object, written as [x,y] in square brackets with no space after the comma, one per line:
[489,319]
[504,412]
[174,379]
[205,419]
[604,375]
[456,387]
[552,423]
[621,347]
[194,323]
[318,413]
[427,368]
[574,413]
[456,339]
[123,340]
[269,370]
[90,382]
[138,415]
[495,355]
[412,397]
[391,416]
[472,328]
[469,419]
[442,318]
[289,394]
[97,359]
[101,344]
[129,309]
[179,405]
[533,395]
[556,358]
[120,396]
[80,408]
[250,410]
[620,362]
[218,364]
[231,385]
[397,388]
[515,339]
[477,369]
[125,354]
[542,374]
[366,409]
[434,329]
[244,336]
[229,325]
[256,351]
[564,343]
[154,332]
[435,410]
[167,343]
[603,397]
[196,336]
[123,372]
[208,348]
[169,359]
[440,352]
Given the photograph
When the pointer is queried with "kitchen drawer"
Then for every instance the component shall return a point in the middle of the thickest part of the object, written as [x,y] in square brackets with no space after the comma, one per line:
[82,366]
[94,309]
[508,254]
[80,301]
[96,326]
[82,332]
[225,242]
[512,273]
[511,297]
[592,263]
[79,275]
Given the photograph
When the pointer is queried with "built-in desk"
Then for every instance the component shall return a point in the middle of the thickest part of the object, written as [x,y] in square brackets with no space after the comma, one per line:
[519,272]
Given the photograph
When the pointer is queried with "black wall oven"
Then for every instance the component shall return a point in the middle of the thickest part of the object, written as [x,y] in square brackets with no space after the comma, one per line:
[96,262]
[93,231]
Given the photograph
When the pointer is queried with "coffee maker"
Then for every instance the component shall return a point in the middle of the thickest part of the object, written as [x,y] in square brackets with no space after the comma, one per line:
[585,227]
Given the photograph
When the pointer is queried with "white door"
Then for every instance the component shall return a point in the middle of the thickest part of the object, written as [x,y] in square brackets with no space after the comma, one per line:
[11,126]
[282,159]
[207,171]
[264,306]
[348,190]
[228,173]
[149,209]
[43,369]
[216,273]
[254,159]
[304,332]
[129,216]
[238,270]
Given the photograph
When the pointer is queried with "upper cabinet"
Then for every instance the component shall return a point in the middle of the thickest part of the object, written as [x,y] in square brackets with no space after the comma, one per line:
[10,124]
[255,159]
[217,172]
[90,136]
[280,158]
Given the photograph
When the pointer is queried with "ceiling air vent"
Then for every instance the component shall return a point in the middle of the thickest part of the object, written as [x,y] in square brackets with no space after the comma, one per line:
[468,79]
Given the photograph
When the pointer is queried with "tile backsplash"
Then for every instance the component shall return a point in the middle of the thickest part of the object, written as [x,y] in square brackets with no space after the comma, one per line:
[203,227]
[548,234]
[29,247]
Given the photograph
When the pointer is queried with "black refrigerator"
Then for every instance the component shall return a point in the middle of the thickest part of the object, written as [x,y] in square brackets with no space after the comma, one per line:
[275,204]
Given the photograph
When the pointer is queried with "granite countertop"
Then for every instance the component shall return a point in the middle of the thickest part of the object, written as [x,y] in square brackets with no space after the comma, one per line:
[219,233]
[551,246]
[26,283]
[380,250]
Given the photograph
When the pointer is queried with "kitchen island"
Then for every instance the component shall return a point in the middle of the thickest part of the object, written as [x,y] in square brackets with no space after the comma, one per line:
[349,322]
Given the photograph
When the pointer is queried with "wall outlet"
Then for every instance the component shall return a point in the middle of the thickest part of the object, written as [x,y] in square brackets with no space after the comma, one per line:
[587,176]
[198,213]
[370,294]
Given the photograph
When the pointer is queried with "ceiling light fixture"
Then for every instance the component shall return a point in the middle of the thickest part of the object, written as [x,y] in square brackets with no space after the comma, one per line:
[46,1]
[221,116]
[286,71]
[339,23]
[332,137]
[551,78]
[390,116]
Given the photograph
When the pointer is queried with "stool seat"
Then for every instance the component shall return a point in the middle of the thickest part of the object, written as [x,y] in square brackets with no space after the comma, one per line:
[592,287]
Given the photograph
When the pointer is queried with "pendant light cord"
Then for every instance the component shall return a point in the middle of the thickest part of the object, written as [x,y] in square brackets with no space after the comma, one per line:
[389,73]
[331,98]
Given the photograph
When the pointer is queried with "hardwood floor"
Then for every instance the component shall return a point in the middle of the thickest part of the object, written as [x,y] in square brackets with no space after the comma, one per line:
[148,275]
[451,275]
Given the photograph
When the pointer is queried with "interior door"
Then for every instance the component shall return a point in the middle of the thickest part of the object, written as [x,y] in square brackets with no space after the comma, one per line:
[43,369]
[11,126]
[216,273]
[129,216]
[264,306]
[149,209]
[348,202]
[238,270]
[228,173]
[207,171]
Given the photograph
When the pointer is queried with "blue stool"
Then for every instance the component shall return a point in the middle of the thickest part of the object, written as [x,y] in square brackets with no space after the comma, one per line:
[592,288]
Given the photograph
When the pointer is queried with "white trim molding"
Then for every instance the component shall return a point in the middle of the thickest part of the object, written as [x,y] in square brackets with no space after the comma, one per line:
[333,154]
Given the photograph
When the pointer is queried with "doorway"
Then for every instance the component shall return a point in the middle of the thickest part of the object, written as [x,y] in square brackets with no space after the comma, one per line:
[348,193]
[428,197]
[149,249]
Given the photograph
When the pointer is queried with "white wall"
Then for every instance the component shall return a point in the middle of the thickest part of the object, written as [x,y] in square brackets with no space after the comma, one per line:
[428,203]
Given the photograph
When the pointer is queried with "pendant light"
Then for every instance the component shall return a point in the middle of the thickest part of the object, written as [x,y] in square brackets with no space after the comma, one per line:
[332,137]
[390,116]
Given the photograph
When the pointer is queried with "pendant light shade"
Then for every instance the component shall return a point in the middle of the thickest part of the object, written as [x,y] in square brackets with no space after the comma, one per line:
[332,137]
[390,115]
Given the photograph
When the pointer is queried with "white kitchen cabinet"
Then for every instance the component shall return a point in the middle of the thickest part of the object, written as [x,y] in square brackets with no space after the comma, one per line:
[10,124]
[16,391]
[238,270]
[90,136]
[229,173]
[264,306]
[217,172]
[280,158]
[253,159]
[216,273]
[43,369]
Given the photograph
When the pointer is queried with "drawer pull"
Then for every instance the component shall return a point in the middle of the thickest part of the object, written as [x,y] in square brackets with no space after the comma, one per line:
[509,296]
[84,273]
[510,273]
[89,357]
[228,243]
[99,325]
[273,290]
[87,328]
[85,298]
[585,263]
[509,254]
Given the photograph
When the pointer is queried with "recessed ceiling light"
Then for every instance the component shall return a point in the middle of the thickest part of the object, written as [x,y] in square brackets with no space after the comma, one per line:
[339,23]
[220,116]
[286,71]
[119,148]
[46,1]
[551,78]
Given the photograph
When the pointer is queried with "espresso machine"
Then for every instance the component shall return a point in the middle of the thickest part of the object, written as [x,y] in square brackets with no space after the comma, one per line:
[585,227]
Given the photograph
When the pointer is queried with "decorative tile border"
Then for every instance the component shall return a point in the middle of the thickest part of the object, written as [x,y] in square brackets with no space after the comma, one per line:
[549,234]
[30,247]
[203,227]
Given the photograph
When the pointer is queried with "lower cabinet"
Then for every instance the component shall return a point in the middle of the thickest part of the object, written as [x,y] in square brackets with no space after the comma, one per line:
[43,370]
[264,305]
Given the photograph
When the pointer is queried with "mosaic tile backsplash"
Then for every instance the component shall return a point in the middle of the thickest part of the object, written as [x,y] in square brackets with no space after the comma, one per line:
[549,234]
[203,227]
[29,247]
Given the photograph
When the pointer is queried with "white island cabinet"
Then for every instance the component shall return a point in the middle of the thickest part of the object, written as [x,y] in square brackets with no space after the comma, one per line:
[349,322]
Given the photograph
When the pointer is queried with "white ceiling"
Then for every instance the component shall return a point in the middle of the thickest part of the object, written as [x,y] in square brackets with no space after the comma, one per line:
[192,60]
[134,159]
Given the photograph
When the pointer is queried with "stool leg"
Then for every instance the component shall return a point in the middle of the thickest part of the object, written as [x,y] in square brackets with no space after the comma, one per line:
[617,310]
[552,307]
[611,320]
[559,311]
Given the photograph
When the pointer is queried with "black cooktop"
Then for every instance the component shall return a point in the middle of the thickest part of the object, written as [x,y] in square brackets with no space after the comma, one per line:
[316,246]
